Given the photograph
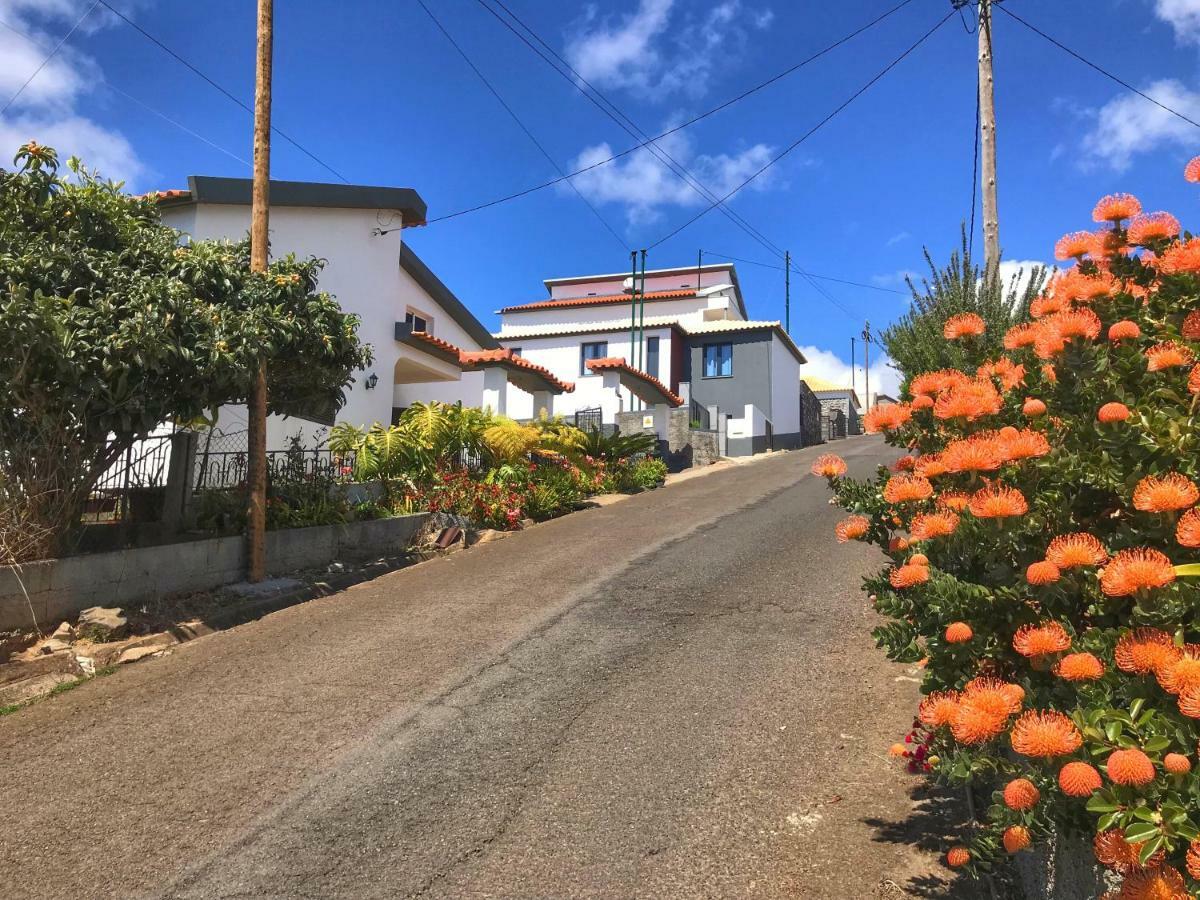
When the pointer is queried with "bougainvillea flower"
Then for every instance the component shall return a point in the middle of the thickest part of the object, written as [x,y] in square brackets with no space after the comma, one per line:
[1023,335]
[954,500]
[1125,330]
[957,857]
[1134,570]
[1154,883]
[938,708]
[998,502]
[1079,667]
[1130,767]
[908,576]
[1021,794]
[851,528]
[886,417]
[1177,764]
[1033,407]
[1181,673]
[1190,328]
[1042,572]
[907,489]
[1116,207]
[970,400]
[963,325]
[829,465]
[1180,259]
[1023,444]
[1144,650]
[1165,493]
[1149,228]
[1114,852]
[1044,734]
[1040,640]
[1069,551]
[1073,246]
[1187,532]
[958,633]
[1078,779]
[928,526]
[1113,412]
[978,453]
[1015,838]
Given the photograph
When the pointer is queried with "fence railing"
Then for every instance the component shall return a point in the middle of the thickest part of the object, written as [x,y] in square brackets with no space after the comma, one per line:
[136,482]
[589,419]
[699,416]
[229,469]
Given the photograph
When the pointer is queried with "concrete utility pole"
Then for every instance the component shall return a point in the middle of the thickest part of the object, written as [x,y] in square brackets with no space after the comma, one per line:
[256,512]
[987,127]
[787,291]
[853,360]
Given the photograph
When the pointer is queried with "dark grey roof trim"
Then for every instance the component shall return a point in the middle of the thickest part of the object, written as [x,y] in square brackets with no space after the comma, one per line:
[236,191]
[432,285]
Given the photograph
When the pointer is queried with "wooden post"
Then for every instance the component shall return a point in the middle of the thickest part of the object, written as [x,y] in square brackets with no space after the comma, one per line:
[987,128]
[256,513]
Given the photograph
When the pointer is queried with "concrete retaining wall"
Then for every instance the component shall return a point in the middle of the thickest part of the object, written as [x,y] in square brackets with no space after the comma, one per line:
[60,588]
[1061,868]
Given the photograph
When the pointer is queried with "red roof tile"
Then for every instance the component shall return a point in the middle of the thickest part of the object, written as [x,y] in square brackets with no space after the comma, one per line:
[167,195]
[437,342]
[505,356]
[600,301]
[618,364]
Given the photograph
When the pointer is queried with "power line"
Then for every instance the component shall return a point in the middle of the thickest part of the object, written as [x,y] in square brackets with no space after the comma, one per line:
[49,56]
[529,134]
[680,127]
[812,130]
[134,25]
[116,90]
[1102,71]
[871,287]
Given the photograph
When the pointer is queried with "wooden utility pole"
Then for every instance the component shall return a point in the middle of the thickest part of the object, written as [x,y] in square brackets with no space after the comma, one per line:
[987,128]
[256,512]
[866,335]
[853,363]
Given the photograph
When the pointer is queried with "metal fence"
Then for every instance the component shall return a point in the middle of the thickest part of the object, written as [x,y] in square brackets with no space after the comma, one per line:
[229,469]
[135,486]
[833,425]
[589,419]
[699,417]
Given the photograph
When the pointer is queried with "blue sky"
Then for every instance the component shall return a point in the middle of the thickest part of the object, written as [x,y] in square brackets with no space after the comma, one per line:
[375,90]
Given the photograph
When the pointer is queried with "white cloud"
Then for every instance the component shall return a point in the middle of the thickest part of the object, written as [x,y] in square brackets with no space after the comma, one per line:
[827,365]
[1017,273]
[656,50]
[47,110]
[1128,125]
[897,238]
[644,185]
[1181,15]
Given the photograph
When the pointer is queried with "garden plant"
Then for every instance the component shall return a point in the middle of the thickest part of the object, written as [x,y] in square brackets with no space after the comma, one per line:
[1043,539]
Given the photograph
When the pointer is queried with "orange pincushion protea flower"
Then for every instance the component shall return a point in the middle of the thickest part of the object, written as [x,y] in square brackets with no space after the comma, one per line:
[1049,374]
[1187,532]
[938,709]
[963,325]
[1124,330]
[1078,323]
[1047,305]
[930,465]
[1042,572]
[1135,570]
[1114,852]
[1074,245]
[979,453]
[1180,259]
[1116,207]
[998,502]
[1023,444]
[1194,381]
[1113,412]
[851,528]
[958,633]
[1069,551]
[1019,336]
[1191,172]
[970,400]
[919,559]
[957,857]
[1165,493]
[1107,242]
[932,383]
[1193,859]
[886,417]
[1021,794]
[898,544]
[1181,673]
[1154,883]
[904,464]
[1131,767]
[1044,734]
[1078,779]
[954,500]
[1033,407]
[897,750]
[983,710]
[1040,640]
[1079,667]
[1144,650]
[1016,838]
[1189,703]
[1050,339]
[1177,764]
[829,465]
[1150,228]
[928,526]
[1168,355]
[908,576]
[1190,328]
[907,489]
[922,401]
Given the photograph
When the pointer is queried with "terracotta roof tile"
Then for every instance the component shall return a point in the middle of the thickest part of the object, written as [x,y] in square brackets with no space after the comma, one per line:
[167,195]
[618,364]
[427,338]
[599,301]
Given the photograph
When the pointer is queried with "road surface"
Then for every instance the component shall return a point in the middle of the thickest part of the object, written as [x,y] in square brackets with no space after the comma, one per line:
[674,696]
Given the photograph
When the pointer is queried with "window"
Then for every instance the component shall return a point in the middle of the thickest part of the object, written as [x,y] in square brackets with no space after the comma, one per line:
[516,351]
[417,322]
[595,350]
[718,360]
[652,356]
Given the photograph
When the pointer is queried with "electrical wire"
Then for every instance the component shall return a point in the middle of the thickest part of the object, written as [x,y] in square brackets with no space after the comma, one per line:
[520,124]
[49,56]
[687,123]
[150,37]
[812,130]
[1101,70]
[752,262]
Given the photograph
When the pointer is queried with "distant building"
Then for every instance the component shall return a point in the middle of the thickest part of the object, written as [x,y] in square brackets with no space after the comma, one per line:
[883,398]
[837,397]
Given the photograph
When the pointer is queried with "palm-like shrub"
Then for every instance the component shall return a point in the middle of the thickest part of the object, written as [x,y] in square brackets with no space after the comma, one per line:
[1041,532]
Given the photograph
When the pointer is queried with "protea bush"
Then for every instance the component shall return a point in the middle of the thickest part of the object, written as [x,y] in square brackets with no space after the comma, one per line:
[1043,533]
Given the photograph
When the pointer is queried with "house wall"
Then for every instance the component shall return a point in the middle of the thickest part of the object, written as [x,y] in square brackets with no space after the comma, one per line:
[685,310]
[751,379]
[841,401]
[784,411]
[614,285]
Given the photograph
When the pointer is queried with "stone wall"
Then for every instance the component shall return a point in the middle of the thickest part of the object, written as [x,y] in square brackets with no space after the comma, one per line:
[1061,868]
[810,417]
[59,588]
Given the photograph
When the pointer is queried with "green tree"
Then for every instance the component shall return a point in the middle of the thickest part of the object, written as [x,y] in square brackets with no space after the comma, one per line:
[915,343]
[109,326]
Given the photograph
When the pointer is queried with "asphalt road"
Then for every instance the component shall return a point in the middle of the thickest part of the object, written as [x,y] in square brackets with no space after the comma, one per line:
[674,696]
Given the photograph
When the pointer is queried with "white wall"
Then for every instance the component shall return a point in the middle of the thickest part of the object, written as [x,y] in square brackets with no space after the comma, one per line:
[785,389]
[614,285]
[683,310]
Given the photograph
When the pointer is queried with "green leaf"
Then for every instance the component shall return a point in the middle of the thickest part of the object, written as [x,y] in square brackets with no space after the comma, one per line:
[1189,570]
[1140,831]
[1100,804]
[1151,847]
